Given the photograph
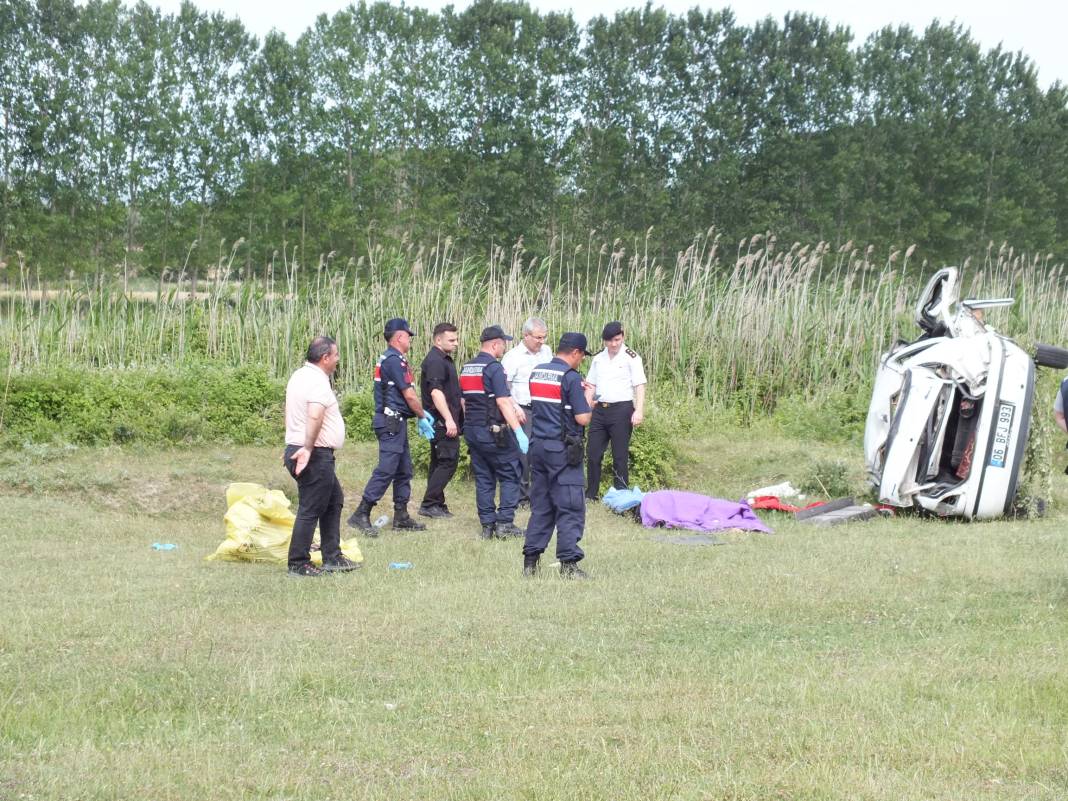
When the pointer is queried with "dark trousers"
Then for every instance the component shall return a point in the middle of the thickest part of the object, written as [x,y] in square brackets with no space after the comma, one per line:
[320,499]
[394,467]
[492,466]
[556,502]
[610,423]
[524,461]
[444,457]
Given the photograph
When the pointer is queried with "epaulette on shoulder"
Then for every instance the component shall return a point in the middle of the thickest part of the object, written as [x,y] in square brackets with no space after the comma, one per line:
[631,353]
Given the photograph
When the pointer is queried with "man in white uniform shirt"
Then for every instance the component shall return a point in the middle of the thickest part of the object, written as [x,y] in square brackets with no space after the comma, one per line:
[615,389]
[518,363]
[314,430]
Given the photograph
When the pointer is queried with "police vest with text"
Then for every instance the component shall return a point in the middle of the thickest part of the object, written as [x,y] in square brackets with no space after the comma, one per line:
[553,416]
[480,402]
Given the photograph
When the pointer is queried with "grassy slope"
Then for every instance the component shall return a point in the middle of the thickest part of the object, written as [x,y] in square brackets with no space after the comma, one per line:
[896,659]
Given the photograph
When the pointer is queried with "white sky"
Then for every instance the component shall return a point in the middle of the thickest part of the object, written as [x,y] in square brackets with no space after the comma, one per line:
[1037,27]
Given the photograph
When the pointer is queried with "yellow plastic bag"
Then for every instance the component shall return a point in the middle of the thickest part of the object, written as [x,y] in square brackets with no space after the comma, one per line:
[259,524]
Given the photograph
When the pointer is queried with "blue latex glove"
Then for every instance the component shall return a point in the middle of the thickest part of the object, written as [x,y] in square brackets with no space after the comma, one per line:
[521,438]
[428,417]
[426,428]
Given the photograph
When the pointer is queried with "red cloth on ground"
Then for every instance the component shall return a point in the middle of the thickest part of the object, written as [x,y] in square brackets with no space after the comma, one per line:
[773,502]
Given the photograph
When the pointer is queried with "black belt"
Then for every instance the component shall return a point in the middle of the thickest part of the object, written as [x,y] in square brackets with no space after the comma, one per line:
[526,406]
[606,404]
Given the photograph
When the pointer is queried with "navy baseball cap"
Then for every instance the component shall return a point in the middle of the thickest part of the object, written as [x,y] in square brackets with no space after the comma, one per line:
[395,325]
[612,330]
[494,332]
[573,341]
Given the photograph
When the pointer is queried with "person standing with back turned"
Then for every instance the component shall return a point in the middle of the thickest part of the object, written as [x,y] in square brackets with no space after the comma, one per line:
[560,412]
[490,424]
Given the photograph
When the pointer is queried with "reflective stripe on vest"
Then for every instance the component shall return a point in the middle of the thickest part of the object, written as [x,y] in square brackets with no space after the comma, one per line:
[546,385]
[471,379]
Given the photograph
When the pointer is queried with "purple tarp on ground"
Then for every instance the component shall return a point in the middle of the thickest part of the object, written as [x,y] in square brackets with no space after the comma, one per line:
[676,509]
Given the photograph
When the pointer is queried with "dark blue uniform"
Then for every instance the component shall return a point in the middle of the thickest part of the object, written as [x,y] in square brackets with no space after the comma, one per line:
[494,456]
[393,375]
[556,488]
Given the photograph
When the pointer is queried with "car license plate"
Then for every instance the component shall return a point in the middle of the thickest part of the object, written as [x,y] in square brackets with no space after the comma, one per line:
[1002,434]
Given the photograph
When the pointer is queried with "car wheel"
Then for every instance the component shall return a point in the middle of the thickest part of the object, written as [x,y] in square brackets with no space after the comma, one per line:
[1051,356]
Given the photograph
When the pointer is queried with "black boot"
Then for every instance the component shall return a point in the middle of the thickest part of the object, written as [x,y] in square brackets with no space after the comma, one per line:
[361,518]
[402,521]
[509,530]
[530,564]
[489,531]
[571,570]
[433,511]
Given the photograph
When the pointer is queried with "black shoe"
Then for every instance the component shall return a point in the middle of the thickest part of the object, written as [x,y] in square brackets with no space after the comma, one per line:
[509,530]
[402,521]
[433,511]
[361,519]
[530,565]
[445,510]
[489,531]
[571,570]
[305,570]
[340,565]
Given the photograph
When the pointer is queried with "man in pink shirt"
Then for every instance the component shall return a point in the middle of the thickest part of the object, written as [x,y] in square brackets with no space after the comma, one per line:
[314,430]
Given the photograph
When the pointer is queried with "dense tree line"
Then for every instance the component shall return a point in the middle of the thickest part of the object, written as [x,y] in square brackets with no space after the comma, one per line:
[129,134]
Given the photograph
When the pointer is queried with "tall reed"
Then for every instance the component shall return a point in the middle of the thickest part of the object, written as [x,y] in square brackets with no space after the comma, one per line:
[747,327]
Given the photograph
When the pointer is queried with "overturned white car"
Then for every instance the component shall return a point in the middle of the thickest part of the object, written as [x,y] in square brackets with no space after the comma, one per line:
[950,413]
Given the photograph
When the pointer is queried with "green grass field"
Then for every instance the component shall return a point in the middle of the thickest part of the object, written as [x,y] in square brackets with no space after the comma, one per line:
[895,659]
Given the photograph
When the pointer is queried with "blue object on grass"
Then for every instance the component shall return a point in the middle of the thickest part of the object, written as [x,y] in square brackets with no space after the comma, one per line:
[163,546]
[400,565]
[620,500]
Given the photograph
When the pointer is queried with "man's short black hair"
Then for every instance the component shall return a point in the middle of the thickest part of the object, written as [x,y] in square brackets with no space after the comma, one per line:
[320,348]
[443,328]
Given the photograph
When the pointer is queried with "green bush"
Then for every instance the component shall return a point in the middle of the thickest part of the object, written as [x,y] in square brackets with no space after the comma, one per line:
[194,403]
[358,409]
[1034,495]
[828,478]
[180,425]
[836,415]
[652,457]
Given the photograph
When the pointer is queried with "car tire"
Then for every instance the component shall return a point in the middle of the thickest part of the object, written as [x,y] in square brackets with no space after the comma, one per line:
[1051,356]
